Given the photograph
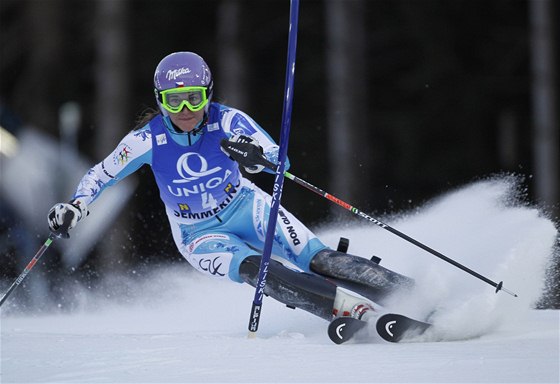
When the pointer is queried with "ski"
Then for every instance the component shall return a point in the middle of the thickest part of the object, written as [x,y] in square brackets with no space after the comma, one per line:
[394,327]
[344,328]
[391,327]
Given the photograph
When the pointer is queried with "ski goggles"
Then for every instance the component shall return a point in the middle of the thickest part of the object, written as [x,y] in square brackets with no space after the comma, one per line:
[175,99]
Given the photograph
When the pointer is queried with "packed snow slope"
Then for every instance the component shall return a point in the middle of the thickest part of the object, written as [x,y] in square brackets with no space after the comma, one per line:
[180,327]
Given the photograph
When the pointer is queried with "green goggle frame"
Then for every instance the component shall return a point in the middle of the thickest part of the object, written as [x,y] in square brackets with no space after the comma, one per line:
[175,99]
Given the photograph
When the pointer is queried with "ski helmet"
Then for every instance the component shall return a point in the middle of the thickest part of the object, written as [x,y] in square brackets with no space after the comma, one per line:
[181,69]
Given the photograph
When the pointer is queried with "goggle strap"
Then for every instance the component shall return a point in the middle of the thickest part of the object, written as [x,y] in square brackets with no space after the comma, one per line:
[159,96]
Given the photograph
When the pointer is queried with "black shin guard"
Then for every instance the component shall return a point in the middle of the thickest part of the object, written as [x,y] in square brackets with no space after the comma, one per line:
[306,291]
[360,275]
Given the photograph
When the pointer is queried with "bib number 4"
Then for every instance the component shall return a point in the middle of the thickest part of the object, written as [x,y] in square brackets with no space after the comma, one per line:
[208,201]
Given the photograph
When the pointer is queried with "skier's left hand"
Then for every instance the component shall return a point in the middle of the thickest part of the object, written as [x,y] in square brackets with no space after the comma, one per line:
[57,215]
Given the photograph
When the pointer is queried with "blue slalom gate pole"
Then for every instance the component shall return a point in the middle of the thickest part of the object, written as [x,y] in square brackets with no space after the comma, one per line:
[279,178]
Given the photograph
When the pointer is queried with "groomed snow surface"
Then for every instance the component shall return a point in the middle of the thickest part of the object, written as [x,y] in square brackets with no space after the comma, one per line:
[177,326]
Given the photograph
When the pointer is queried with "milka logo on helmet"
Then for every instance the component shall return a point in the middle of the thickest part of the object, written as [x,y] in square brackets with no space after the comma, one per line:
[173,74]
[189,174]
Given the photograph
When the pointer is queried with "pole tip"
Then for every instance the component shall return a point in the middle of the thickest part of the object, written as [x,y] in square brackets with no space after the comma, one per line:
[252,335]
[500,287]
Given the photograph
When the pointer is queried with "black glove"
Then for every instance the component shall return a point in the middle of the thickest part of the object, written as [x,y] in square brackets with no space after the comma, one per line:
[64,216]
[247,152]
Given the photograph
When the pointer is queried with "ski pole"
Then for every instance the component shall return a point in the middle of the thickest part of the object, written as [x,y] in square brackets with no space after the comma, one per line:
[63,228]
[499,286]
[245,150]
[279,178]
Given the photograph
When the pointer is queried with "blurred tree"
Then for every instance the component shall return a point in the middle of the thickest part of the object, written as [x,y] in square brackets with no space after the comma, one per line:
[112,75]
[232,68]
[546,136]
[41,45]
[546,139]
[112,103]
[350,162]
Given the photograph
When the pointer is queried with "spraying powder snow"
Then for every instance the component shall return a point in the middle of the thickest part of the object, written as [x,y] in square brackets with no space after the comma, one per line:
[484,226]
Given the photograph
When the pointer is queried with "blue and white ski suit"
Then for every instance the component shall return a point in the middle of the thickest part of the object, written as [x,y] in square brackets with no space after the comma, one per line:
[217,217]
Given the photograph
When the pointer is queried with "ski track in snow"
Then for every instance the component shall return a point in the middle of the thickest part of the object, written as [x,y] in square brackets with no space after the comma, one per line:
[180,327]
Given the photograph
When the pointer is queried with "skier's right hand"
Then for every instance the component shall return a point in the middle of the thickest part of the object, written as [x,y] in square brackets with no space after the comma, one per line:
[247,151]
[76,209]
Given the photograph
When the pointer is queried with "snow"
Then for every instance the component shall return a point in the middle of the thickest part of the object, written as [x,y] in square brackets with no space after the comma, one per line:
[177,326]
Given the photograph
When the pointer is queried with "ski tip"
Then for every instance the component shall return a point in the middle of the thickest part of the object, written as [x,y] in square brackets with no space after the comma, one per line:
[394,327]
[343,329]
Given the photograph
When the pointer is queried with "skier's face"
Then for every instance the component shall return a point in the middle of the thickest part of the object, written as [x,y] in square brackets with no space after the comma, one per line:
[186,120]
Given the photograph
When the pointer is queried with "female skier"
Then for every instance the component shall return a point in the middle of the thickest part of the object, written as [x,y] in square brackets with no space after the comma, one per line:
[217,216]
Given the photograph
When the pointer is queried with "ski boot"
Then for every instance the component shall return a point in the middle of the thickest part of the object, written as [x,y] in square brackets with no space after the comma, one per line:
[348,305]
[360,275]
